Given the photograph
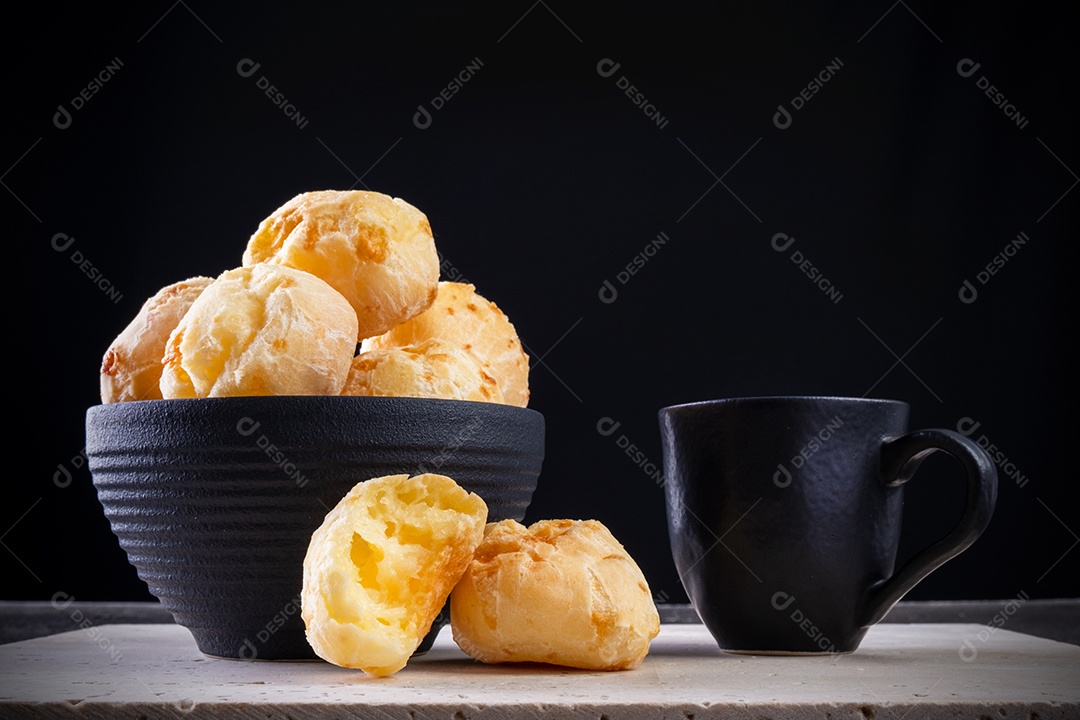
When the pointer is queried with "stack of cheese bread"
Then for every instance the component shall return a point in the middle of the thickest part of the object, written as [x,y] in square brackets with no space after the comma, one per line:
[339,294]
[326,271]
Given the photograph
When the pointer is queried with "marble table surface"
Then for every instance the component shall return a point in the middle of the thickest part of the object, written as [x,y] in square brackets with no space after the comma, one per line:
[901,671]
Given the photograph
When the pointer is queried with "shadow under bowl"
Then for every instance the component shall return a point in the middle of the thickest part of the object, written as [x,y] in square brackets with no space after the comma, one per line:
[214,500]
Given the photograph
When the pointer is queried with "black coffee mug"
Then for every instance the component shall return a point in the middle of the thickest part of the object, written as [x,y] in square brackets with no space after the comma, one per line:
[784,515]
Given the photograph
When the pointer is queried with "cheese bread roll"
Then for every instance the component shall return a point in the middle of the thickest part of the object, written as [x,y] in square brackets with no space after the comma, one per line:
[432,369]
[563,592]
[376,250]
[261,330]
[380,567]
[131,367]
[462,316]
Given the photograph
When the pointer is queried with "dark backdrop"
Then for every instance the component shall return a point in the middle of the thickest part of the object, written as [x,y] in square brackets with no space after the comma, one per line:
[638,241]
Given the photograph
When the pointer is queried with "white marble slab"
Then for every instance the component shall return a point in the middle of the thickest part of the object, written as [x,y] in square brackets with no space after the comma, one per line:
[900,671]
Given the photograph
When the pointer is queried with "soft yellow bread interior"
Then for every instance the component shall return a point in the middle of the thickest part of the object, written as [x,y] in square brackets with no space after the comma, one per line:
[381,566]
[563,592]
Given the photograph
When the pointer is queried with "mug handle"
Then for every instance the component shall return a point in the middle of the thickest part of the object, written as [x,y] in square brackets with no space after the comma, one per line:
[900,458]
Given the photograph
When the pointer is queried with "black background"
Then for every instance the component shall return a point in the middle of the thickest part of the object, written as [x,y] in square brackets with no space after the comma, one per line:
[899,180]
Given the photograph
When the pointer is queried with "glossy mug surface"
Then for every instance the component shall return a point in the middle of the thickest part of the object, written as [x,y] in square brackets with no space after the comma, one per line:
[784,515]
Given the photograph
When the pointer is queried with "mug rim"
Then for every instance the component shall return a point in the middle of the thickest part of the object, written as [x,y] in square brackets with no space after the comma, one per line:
[718,402]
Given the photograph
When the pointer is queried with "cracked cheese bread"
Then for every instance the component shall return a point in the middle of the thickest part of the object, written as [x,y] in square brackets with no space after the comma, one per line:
[131,367]
[431,369]
[462,316]
[563,592]
[377,251]
[261,330]
[381,566]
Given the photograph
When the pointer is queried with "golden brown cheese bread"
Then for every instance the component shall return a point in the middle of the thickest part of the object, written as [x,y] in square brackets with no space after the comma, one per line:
[462,316]
[380,567]
[432,369]
[563,592]
[131,367]
[261,330]
[377,251]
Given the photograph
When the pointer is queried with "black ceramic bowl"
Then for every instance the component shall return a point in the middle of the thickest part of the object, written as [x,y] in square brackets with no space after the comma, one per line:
[214,500]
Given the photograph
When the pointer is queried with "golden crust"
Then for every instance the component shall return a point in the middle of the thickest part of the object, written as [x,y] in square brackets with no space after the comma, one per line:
[377,251]
[462,316]
[380,567]
[563,592]
[432,369]
[131,367]
[261,330]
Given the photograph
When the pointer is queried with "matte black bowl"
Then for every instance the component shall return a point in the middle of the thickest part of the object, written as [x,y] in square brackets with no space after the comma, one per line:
[214,500]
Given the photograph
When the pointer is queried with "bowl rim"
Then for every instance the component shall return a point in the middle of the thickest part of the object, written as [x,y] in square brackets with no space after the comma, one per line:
[374,400]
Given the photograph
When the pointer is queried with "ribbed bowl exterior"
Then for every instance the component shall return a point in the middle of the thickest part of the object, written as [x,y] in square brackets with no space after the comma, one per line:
[214,500]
